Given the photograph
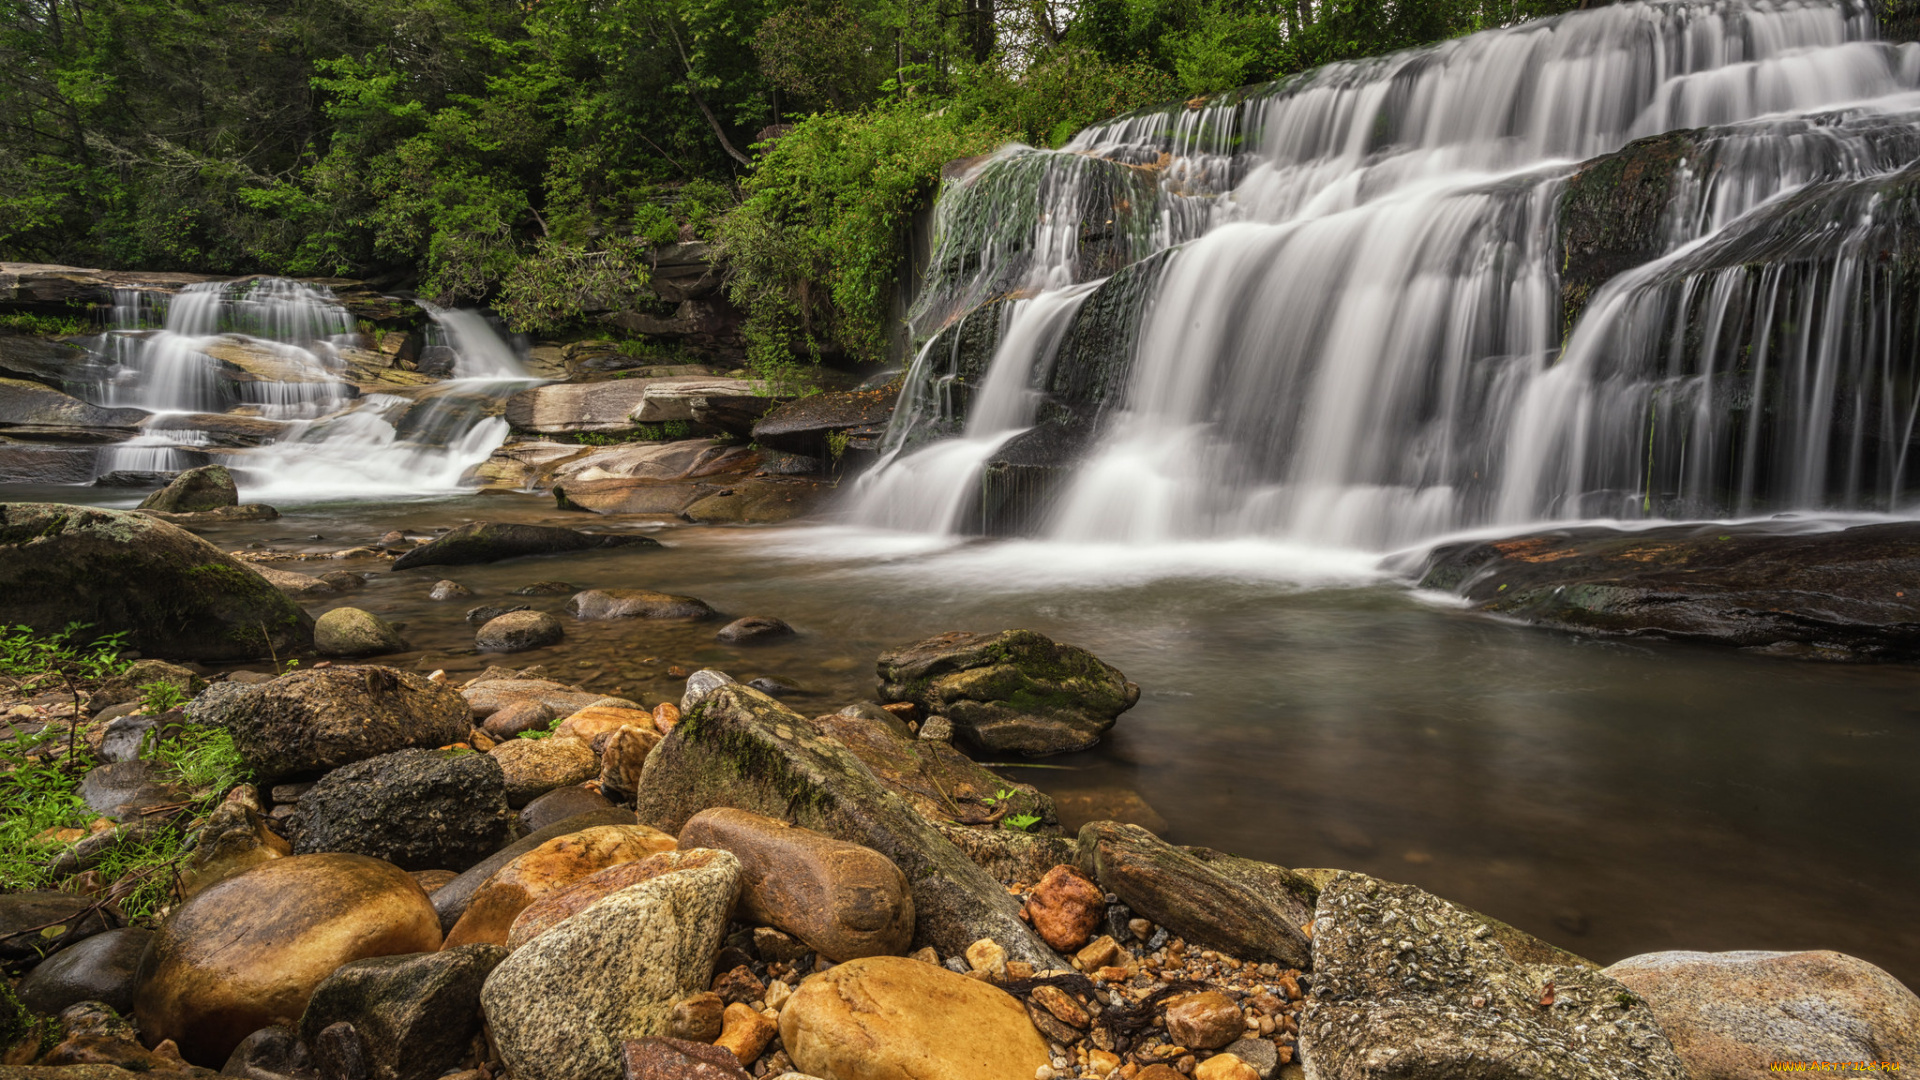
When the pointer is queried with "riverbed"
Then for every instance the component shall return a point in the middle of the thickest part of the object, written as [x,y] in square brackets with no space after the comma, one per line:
[1298,705]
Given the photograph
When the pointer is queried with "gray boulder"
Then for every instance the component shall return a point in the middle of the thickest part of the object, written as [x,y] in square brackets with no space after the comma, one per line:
[121,790]
[635,604]
[1017,690]
[311,721]
[417,1013]
[208,487]
[487,541]
[350,631]
[740,748]
[518,631]
[417,809]
[173,594]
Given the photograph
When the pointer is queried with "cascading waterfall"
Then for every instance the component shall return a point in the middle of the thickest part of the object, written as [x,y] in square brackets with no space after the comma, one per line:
[273,355]
[1353,330]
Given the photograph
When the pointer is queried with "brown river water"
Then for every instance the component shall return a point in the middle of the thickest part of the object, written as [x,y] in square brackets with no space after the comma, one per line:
[1297,706]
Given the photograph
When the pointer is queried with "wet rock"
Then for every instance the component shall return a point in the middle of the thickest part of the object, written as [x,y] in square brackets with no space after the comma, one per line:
[745,1032]
[1406,984]
[590,723]
[487,696]
[487,541]
[100,968]
[698,1018]
[624,760]
[298,586]
[97,1041]
[451,899]
[1110,802]
[349,631]
[1066,907]
[754,629]
[1225,1066]
[1014,691]
[1259,1055]
[1180,892]
[803,426]
[739,748]
[121,790]
[234,839]
[126,736]
[562,1006]
[1207,1020]
[1008,856]
[940,782]
[519,631]
[446,589]
[843,900]
[760,501]
[773,687]
[635,604]
[416,1014]
[562,904]
[208,487]
[552,866]
[700,684]
[341,1054]
[678,1059]
[272,1053]
[533,767]
[891,1017]
[248,952]
[344,580]
[1732,1015]
[172,593]
[1827,595]
[417,809]
[546,588]
[519,718]
[486,613]
[311,721]
[35,405]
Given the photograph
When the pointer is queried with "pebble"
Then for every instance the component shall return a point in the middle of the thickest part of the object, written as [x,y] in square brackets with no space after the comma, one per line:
[986,955]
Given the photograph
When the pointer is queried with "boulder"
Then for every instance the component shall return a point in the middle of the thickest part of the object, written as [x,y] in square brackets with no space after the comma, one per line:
[518,631]
[451,899]
[590,723]
[446,589]
[564,903]
[660,1058]
[519,718]
[249,951]
[942,783]
[557,806]
[1182,893]
[25,463]
[101,968]
[1006,855]
[308,722]
[208,487]
[272,1053]
[487,541]
[552,866]
[234,839]
[1407,984]
[1066,907]
[700,684]
[32,404]
[172,593]
[123,790]
[563,1005]
[1013,691]
[753,630]
[739,748]
[533,767]
[349,631]
[418,809]
[488,696]
[298,586]
[843,900]
[563,408]
[222,515]
[624,760]
[417,1014]
[759,501]
[891,1018]
[803,426]
[1732,1015]
[49,361]
[635,604]
[683,399]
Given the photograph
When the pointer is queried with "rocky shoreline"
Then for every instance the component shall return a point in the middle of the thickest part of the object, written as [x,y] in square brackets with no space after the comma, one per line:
[518,877]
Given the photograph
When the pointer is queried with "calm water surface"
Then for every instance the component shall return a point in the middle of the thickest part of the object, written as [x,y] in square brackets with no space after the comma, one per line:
[1300,707]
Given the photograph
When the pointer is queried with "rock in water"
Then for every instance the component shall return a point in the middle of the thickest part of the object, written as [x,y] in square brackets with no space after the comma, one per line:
[533,767]
[754,629]
[562,1006]
[311,721]
[1731,1015]
[518,631]
[208,487]
[446,589]
[417,809]
[844,900]
[349,631]
[172,593]
[635,604]
[891,1018]
[248,952]
[101,968]
[700,684]
[417,1014]
[1406,984]
[487,541]
[1013,691]
[740,748]
[549,868]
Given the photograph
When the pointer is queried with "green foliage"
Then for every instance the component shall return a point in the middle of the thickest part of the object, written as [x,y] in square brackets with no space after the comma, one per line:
[66,657]
[51,325]
[547,291]
[1022,822]
[648,432]
[161,696]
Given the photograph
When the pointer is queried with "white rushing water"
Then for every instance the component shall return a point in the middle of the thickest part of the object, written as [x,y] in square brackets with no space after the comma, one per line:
[1354,338]
[269,357]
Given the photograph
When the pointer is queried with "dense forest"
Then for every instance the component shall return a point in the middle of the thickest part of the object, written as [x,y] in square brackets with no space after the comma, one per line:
[531,153]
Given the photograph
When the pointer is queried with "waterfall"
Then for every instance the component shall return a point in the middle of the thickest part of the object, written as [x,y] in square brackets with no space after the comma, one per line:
[271,359]
[1332,309]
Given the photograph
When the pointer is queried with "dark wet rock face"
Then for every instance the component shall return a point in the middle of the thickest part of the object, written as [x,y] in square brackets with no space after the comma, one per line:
[1838,595]
[416,1014]
[174,594]
[487,541]
[804,426]
[101,968]
[24,915]
[1014,691]
[1613,214]
[417,809]
[310,721]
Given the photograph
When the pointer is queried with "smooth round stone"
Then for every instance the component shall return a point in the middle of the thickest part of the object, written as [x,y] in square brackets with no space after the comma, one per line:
[559,805]
[754,629]
[448,589]
[519,718]
[636,604]
[349,631]
[549,868]
[891,1018]
[248,952]
[518,631]
[533,767]
[596,720]
[556,907]
[101,968]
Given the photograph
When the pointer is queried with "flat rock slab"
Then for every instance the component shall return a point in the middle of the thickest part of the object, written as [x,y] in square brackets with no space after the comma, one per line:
[486,541]
[1838,594]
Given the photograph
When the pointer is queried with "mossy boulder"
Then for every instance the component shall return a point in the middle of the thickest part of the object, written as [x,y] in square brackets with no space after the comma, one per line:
[349,631]
[1017,690]
[209,487]
[172,593]
[489,541]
